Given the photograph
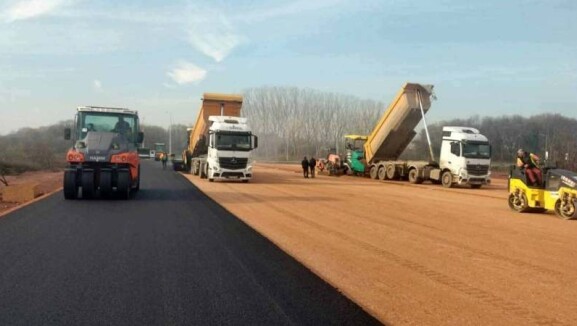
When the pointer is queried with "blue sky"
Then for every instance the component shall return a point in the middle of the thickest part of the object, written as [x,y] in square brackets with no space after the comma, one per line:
[484,57]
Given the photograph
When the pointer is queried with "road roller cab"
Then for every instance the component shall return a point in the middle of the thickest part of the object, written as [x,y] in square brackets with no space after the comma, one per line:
[103,158]
[557,193]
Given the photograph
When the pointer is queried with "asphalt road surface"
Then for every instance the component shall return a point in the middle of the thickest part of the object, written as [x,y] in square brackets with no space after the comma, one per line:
[169,256]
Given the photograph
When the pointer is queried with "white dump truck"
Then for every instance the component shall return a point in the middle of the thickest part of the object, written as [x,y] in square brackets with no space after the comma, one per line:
[221,143]
[465,156]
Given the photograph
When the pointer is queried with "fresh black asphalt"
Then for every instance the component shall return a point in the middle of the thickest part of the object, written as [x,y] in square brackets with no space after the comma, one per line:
[169,256]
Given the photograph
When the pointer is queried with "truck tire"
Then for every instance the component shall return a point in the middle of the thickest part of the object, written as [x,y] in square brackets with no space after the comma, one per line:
[382,172]
[137,186]
[123,184]
[105,183]
[203,171]
[70,187]
[392,172]
[447,179]
[87,184]
[414,176]
[195,168]
[374,172]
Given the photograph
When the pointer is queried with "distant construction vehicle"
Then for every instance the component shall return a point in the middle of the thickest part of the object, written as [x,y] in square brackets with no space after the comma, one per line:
[465,153]
[104,155]
[159,150]
[220,143]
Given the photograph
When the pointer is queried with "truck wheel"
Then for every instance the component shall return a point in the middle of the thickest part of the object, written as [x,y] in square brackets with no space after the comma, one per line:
[123,184]
[392,172]
[203,171]
[195,168]
[382,173]
[447,179]
[70,188]
[567,211]
[414,177]
[519,202]
[87,184]
[137,187]
[105,183]
[374,172]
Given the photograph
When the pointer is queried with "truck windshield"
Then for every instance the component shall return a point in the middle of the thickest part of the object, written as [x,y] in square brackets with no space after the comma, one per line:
[476,150]
[107,122]
[233,141]
[160,147]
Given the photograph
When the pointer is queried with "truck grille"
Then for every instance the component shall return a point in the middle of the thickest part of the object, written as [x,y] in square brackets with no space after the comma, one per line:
[474,169]
[232,163]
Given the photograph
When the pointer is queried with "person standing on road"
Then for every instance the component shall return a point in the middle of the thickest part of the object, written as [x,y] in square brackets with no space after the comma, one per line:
[305,165]
[164,158]
[312,166]
[529,162]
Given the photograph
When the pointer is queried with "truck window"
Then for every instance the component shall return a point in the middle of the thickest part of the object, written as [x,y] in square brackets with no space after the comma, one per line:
[230,141]
[456,148]
[476,150]
[106,122]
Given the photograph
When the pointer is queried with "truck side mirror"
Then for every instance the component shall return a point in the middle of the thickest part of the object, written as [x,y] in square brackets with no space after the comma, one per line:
[67,133]
[255,142]
[140,137]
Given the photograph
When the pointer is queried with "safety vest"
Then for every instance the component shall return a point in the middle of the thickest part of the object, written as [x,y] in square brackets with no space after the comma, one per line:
[530,159]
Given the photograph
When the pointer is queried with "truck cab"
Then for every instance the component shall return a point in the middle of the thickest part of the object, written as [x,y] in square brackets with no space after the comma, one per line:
[230,144]
[466,156]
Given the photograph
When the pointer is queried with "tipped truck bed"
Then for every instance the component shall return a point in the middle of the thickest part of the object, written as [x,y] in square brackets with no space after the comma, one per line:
[395,129]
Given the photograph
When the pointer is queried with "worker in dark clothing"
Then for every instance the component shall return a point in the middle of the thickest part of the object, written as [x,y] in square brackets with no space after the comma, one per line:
[164,159]
[305,165]
[312,166]
[529,163]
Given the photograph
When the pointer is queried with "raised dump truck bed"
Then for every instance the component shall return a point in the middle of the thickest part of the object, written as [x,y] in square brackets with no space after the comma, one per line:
[465,153]
[396,128]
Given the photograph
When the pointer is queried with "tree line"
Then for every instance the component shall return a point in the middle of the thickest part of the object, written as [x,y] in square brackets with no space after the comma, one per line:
[551,136]
[293,122]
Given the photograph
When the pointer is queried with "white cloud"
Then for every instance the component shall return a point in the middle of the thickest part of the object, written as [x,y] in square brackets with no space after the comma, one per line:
[211,33]
[186,73]
[97,85]
[23,10]
[286,9]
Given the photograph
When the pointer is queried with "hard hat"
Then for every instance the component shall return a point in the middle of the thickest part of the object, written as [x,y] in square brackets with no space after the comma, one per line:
[520,151]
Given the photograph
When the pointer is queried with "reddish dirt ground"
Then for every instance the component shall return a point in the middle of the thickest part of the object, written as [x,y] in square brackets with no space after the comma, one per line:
[48,182]
[415,254]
